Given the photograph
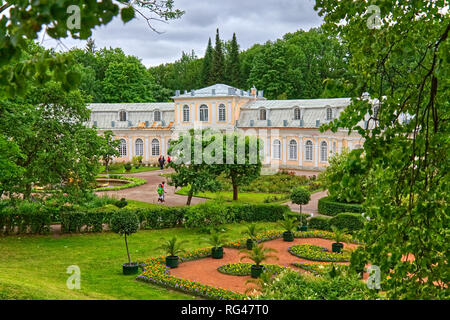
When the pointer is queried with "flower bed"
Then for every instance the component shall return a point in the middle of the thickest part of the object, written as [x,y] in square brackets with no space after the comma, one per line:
[244,269]
[157,273]
[319,269]
[317,253]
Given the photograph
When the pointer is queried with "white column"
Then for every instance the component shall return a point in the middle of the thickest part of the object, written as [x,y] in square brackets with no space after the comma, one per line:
[268,148]
[163,145]
[300,151]
[130,148]
[284,151]
[147,149]
[316,156]
[213,112]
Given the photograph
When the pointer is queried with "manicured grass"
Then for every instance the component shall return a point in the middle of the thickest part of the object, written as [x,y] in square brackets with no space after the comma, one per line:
[243,197]
[34,267]
[133,170]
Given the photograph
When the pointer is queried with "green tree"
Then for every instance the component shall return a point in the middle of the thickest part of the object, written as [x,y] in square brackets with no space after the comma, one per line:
[300,196]
[207,65]
[233,67]
[109,149]
[400,54]
[218,62]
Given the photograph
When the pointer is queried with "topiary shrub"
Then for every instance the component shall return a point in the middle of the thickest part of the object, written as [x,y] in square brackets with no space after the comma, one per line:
[329,207]
[320,223]
[300,196]
[348,220]
[125,223]
[127,166]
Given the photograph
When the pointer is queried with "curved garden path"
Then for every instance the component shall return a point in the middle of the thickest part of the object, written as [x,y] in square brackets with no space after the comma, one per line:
[205,270]
[147,192]
[312,206]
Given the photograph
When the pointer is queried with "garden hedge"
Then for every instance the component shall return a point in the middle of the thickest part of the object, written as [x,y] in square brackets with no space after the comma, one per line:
[320,223]
[37,219]
[329,207]
[349,221]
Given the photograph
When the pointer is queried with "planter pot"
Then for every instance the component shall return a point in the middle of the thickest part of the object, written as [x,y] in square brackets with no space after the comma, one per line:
[217,253]
[172,261]
[302,228]
[249,244]
[288,236]
[256,270]
[337,247]
[130,268]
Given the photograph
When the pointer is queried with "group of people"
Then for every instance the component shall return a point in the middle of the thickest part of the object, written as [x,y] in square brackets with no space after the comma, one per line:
[162,161]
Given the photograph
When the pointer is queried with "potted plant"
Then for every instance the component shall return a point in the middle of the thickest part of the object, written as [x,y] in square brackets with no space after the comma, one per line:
[289,224]
[258,254]
[121,203]
[216,240]
[338,237]
[251,231]
[126,223]
[172,248]
[127,167]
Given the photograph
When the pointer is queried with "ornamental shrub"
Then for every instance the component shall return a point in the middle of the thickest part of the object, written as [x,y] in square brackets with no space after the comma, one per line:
[320,223]
[125,223]
[329,207]
[349,221]
[300,196]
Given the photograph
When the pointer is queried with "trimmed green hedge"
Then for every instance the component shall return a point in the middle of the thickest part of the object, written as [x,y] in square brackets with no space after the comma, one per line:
[329,207]
[38,218]
[350,221]
[320,223]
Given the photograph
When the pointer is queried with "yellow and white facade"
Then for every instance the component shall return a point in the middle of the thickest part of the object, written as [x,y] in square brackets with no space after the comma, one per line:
[289,129]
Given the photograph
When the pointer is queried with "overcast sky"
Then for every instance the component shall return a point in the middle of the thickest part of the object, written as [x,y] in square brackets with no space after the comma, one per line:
[254,21]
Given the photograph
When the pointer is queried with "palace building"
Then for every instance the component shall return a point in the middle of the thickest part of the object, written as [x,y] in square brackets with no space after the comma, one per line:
[289,129]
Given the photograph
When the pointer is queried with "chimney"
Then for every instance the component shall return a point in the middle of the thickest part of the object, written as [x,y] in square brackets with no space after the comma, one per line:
[177,93]
[254,91]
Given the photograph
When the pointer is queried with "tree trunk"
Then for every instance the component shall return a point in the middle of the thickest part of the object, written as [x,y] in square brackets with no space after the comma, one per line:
[189,199]
[27,193]
[235,192]
[128,252]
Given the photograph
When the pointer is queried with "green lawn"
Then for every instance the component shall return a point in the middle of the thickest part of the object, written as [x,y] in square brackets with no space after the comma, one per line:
[34,267]
[243,197]
[133,170]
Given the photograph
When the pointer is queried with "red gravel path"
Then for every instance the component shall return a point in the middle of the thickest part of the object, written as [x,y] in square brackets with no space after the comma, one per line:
[205,270]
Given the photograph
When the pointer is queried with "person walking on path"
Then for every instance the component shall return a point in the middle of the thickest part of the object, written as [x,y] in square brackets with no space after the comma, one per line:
[160,191]
[164,191]
[161,161]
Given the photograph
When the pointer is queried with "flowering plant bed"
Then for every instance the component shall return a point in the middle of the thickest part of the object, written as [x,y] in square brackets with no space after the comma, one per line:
[319,269]
[157,273]
[243,269]
[317,253]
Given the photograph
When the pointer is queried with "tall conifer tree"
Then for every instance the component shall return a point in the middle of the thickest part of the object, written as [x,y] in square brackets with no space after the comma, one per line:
[207,65]
[218,63]
[233,65]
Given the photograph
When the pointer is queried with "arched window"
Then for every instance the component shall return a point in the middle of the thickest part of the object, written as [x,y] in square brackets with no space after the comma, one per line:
[292,150]
[222,113]
[297,114]
[323,151]
[204,113]
[122,148]
[139,147]
[122,115]
[157,115]
[186,113]
[329,114]
[262,114]
[309,150]
[155,148]
[276,149]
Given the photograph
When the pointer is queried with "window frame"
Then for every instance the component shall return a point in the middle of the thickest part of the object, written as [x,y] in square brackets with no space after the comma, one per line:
[293,146]
[156,146]
[205,110]
[186,113]
[222,109]
[276,144]
[139,147]
[309,150]
[323,151]
[122,148]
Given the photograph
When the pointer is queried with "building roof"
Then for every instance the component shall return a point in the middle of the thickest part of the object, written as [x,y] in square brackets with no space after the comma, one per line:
[302,103]
[217,90]
[131,107]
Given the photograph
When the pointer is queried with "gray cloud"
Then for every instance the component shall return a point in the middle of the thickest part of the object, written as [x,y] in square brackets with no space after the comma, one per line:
[254,21]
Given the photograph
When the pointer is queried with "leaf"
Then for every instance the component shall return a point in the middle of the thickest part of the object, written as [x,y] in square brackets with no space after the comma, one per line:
[127,14]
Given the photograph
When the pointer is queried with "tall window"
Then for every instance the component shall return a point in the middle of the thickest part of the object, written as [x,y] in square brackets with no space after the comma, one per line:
[309,150]
[323,152]
[297,114]
[122,115]
[155,148]
[292,150]
[329,114]
[222,113]
[139,146]
[122,148]
[204,113]
[186,113]
[262,114]
[157,116]
[276,149]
